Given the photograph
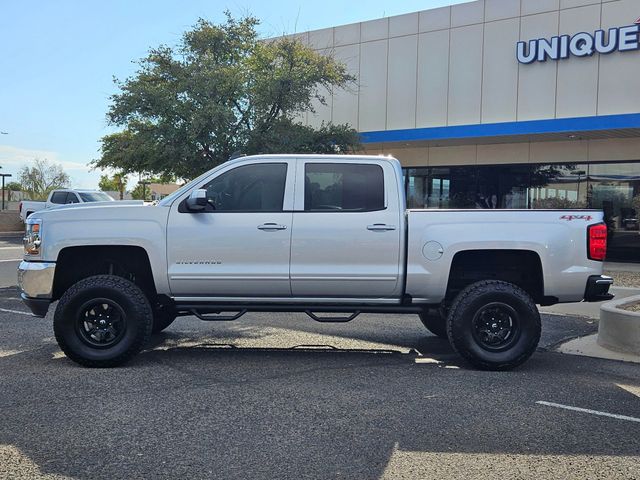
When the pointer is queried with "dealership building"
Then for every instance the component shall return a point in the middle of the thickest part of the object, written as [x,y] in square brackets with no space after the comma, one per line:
[501,104]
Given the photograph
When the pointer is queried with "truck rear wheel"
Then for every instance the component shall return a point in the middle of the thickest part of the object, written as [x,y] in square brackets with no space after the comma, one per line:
[435,322]
[102,321]
[494,325]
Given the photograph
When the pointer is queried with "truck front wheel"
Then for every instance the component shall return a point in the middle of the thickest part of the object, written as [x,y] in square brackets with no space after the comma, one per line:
[495,325]
[102,321]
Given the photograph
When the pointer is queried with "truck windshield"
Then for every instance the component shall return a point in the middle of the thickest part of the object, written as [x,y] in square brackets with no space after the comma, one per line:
[95,197]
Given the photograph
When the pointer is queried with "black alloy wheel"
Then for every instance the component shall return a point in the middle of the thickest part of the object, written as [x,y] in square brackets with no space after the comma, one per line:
[102,321]
[494,325]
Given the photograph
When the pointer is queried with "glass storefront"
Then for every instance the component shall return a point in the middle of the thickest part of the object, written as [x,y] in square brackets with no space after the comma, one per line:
[612,187]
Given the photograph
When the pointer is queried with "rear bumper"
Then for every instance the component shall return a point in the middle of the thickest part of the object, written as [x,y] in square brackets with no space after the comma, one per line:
[35,281]
[598,289]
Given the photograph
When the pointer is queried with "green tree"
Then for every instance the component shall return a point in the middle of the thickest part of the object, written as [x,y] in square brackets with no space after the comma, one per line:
[39,179]
[116,183]
[221,91]
[14,186]
[143,192]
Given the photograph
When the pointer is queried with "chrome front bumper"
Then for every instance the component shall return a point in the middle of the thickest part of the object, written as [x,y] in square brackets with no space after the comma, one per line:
[35,281]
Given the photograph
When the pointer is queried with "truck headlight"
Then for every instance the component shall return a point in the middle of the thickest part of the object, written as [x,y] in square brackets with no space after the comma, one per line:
[32,237]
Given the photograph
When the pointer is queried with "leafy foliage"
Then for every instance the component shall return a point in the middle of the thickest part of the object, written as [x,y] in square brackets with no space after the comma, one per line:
[13,186]
[115,183]
[41,178]
[557,203]
[142,191]
[636,204]
[221,91]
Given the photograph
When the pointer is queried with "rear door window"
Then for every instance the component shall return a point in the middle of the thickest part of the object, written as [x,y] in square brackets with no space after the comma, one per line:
[343,187]
[72,198]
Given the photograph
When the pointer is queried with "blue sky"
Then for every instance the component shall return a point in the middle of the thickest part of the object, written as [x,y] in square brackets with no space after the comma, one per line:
[58,58]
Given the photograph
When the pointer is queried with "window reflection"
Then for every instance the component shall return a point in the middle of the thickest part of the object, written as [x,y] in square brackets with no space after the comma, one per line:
[558,186]
[612,187]
[615,188]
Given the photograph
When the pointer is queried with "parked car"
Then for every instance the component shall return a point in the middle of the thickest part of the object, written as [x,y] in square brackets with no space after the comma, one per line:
[62,197]
[324,235]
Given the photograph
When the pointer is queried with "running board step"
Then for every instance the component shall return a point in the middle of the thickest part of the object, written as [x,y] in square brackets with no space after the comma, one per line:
[332,319]
[218,316]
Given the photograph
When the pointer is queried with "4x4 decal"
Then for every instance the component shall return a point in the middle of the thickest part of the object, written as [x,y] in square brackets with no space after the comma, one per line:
[568,218]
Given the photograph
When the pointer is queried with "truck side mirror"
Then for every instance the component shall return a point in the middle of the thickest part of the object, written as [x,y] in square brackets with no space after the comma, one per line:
[197,201]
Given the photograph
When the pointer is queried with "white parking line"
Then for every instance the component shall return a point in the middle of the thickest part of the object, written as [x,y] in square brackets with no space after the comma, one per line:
[15,311]
[11,260]
[592,412]
[11,248]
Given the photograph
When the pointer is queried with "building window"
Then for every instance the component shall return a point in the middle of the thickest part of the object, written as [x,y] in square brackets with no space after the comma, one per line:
[611,187]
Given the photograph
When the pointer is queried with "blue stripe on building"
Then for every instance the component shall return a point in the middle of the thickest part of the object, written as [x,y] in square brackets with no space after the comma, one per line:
[531,127]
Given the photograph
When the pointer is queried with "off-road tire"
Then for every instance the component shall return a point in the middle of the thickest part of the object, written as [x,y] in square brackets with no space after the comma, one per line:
[435,322]
[136,330]
[162,318]
[472,302]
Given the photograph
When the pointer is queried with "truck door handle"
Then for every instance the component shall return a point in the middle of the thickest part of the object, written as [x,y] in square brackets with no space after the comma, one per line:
[380,227]
[271,226]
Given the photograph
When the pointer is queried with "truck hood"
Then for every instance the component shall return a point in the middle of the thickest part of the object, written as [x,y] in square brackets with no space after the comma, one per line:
[98,211]
[117,203]
[109,223]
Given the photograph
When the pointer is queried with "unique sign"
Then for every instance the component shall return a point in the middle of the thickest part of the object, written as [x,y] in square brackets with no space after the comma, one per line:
[622,39]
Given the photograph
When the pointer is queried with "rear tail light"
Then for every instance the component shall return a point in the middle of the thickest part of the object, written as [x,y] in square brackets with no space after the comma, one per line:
[597,241]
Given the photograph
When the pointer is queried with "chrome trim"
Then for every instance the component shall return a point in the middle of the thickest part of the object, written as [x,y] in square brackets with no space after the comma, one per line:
[345,279]
[227,277]
[380,227]
[271,226]
[290,300]
[35,279]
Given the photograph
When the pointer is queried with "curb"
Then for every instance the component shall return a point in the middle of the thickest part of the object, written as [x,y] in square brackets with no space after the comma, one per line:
[588,347]
[619,329]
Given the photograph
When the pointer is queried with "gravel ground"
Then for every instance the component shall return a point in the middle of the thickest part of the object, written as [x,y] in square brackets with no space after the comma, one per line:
[624,279]
[632,308]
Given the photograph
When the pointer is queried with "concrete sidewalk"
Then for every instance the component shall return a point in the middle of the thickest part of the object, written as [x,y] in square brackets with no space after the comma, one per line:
[588,346]
[590,310]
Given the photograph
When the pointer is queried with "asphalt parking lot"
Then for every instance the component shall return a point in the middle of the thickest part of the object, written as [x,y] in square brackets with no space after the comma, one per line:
[280,396]
[10,256]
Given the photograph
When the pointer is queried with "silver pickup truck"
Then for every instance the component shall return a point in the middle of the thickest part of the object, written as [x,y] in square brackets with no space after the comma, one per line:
[329,236]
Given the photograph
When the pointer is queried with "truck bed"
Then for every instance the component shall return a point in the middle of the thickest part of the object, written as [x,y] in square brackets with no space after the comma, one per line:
[558,237]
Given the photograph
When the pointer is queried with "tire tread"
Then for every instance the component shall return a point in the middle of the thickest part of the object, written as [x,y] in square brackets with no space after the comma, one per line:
[466,297]
[125,286]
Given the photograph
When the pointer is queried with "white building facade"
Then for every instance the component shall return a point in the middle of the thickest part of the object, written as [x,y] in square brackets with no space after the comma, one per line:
[501,104]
